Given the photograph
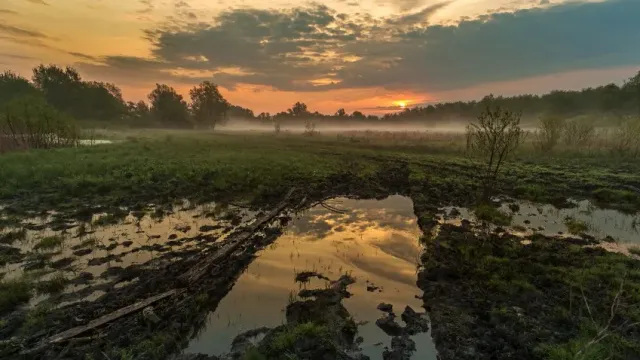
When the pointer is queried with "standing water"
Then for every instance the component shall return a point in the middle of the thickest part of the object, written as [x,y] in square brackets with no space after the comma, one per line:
[377,242]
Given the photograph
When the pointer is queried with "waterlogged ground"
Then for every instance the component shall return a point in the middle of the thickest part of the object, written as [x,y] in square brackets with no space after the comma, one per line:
[621,230]
[82,256]
[377,242]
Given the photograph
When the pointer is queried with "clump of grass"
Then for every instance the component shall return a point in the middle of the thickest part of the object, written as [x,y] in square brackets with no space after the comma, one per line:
[36,318]
[13,236]
[49,243]
[53,286]
[493,215]
[635,250]
[14,292]
[109,219]
[284,341]
[88,242]
[253,354]
[575,226]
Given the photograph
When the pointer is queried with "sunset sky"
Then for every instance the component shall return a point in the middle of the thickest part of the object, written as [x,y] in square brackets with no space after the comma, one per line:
[367,55]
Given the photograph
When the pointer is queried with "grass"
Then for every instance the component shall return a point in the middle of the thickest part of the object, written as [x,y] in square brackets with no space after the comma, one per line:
[49,243]
[285,341]
[493,215]
[10,237]
[205,167]
[575,226]
[635,250]
[13,293]
[55,285]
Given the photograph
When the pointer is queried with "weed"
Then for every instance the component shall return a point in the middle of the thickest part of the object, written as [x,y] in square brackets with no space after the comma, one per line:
[49,243]
[13,236]
[52,286]
[492,215]
[575,226]
[285,341]
[36,317]
[13,293]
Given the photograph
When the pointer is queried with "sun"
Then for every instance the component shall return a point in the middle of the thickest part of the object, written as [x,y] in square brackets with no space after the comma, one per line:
[402,104]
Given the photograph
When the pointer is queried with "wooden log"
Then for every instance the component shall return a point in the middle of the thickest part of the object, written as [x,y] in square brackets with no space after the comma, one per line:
[234,241]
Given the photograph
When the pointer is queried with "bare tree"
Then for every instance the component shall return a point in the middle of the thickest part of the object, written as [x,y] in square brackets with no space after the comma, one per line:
[496,135]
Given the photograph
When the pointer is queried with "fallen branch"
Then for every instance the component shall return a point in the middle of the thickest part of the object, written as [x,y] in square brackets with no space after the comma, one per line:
[65,335]
[234,241]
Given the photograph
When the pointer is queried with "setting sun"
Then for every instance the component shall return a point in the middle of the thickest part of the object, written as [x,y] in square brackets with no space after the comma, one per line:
[401,104]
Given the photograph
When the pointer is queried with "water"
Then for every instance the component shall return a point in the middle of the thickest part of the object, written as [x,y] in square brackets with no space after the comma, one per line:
[139,239]
[375,241]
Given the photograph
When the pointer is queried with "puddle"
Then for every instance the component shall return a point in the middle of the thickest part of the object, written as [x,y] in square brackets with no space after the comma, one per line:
[377,242]
[549,220]
[105,250]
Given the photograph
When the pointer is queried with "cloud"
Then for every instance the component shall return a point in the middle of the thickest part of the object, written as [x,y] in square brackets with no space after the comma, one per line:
[8,12]
[17,31]
[39,2]
[315,48]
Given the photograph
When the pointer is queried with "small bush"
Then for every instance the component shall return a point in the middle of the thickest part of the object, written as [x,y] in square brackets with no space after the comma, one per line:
[549,133]
[626,138]
[579,132]
[53,286]
[287,339]
[30,122]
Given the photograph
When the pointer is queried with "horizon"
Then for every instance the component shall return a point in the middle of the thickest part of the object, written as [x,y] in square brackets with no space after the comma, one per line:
[329,57]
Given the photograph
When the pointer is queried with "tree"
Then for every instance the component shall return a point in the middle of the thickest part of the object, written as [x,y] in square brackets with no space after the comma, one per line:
[168,107]
[341,113]
[496,135]
[61,87]
[298,110]
[549,133]
[13,86]
[207,105]
[358,115]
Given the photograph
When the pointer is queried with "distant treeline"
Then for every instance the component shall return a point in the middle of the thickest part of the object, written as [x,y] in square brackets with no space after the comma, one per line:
[65,91]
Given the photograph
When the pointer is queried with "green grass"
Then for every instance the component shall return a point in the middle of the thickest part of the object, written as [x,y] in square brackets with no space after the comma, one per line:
[575,226]
[284,341]
[493,215]
[256,167]
[13,293]
[635,250]
[49,243]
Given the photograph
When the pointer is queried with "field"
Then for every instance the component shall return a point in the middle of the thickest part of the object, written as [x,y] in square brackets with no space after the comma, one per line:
[488,292]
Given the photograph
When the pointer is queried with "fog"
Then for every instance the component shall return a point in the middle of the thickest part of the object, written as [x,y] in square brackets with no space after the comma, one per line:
[332,126]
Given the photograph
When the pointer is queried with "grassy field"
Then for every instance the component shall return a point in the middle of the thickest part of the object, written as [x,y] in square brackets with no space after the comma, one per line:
[159,167]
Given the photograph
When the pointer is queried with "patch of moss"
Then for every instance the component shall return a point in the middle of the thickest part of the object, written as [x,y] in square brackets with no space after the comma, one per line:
[285,341]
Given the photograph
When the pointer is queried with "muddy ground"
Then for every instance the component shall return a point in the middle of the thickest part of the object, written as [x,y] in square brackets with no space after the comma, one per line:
[488,294]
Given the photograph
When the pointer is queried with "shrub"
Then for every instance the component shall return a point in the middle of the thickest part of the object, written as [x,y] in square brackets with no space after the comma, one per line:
[579,132]
[29,122]
[549,133]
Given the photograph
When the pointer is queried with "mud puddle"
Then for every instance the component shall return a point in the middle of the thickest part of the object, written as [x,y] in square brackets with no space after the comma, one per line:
[377,242]
[529,218]
[100,251]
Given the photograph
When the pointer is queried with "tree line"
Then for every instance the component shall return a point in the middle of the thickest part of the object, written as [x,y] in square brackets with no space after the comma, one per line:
[66,91]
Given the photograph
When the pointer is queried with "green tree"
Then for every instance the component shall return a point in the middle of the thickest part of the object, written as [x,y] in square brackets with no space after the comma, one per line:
[207,105]
[61,87]
[13,86]
[168,107]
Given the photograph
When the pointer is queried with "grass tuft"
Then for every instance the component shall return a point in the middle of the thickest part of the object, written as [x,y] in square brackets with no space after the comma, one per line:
[493,215]
[575,226]
[13,236]
[49,243]
[13,293]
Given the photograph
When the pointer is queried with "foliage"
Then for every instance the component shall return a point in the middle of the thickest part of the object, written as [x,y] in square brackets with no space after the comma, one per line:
[635,250]
[65,90]
[31,123]
[13,86]
[49,243]
[309,128]
[494,138]
[575,226]
[13,292]
[298,110]
[626,138]
[491,214]
[207,105]
[168,107]
[285,340]
[579,132]
[54,285]
[549,133]
[12,236]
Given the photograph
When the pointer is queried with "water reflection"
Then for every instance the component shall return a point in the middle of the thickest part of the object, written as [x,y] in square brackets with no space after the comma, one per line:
[375,241]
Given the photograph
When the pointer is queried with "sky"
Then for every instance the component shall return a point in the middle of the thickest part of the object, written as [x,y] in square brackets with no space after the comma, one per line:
[367,55]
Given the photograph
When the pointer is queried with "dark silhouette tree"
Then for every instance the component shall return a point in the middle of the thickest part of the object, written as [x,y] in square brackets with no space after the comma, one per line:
[208,106]
[13,86]
[168,107]
[298,110]
[341,113]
